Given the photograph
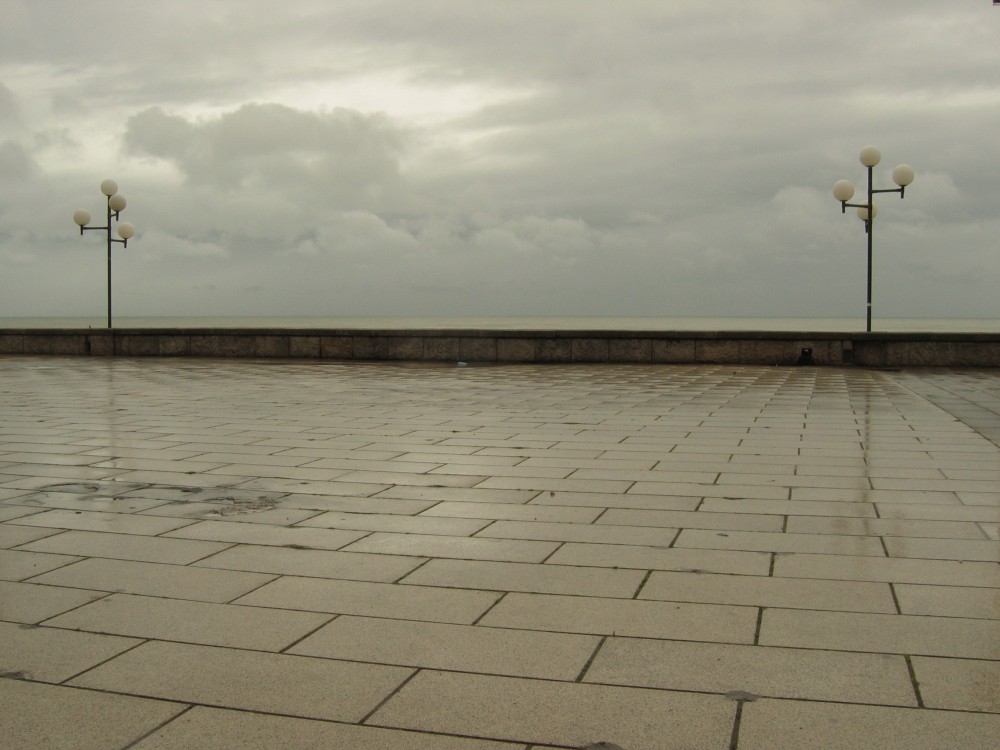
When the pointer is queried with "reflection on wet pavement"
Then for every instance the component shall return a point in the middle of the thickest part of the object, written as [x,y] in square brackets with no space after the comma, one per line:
[221,554]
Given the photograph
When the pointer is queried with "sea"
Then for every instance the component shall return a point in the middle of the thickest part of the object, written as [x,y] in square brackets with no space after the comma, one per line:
[680,324]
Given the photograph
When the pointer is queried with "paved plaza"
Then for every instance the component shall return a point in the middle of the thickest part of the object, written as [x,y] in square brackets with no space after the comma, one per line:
[203,555]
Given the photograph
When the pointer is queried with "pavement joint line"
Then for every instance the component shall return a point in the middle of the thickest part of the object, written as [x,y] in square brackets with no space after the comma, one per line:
[503,595]
[885,549]
[390,696]
[590,661]
[140,642]
[914,681]
[735,736]
[308,634]
[157,728]
[895,598]
[642,584]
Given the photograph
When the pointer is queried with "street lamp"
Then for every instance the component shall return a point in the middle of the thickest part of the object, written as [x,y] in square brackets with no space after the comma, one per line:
[843,191]
[116,204]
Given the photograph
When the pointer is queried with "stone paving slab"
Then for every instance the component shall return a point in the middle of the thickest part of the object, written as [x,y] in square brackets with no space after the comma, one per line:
[16,565]
[199,553]
[39,715]
[191,622]
[321,563]
[768,724]
[890,569]
[124,547]
[559,713]
[462,548]
[774,672]
[116,523]
[155,579]
[546,579]
[30,603]
[960,684]
[13,535]
[643,619]
[73,501]
[948,601]
[220,729]
[771,591]
[878,633]
[346,597]
[658,558]
[271,683]
[487,650]
[236,532]
[54,655]
[398,523]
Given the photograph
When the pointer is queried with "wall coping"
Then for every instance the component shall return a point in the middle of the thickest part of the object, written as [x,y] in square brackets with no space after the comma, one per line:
[875,349]
[532,333]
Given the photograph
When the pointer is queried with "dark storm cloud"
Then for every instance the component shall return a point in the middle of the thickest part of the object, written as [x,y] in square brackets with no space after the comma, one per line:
[519,157]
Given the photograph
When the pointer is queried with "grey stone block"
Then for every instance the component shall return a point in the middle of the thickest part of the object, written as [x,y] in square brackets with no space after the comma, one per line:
[630,350]
[214,345]
[11,343]
[478,349]
[717,352]
[870,353]
[174,345]
[406,347]
[976,354]
[903,353]
[370,347]
[337,347]
[824,352]
[304,346]
[673,350]
[766,352]
[101,345]
[270,346]
[777,352]
[441,348]
[41,343]
[590,350]
[517,350]
[136,345]
[554,350]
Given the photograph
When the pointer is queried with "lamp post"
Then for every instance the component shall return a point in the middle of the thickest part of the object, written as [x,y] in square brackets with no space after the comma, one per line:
[843,191]
[116,204]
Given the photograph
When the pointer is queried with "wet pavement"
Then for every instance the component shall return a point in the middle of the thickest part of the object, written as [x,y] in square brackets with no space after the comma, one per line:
[217,554]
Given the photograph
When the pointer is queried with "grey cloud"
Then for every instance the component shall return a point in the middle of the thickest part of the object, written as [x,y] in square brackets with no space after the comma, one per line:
[16,164]
[10,113]
[340,155]
[636,157]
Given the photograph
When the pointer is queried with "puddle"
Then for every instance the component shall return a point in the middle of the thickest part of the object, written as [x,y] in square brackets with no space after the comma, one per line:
[741,695]
[178,494]
[234,506]
[77,488]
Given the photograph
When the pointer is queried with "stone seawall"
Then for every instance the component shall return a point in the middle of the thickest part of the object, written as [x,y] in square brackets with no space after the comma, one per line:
[552,346]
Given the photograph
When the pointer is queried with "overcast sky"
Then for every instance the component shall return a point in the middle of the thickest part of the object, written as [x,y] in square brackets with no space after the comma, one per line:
[499,157]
